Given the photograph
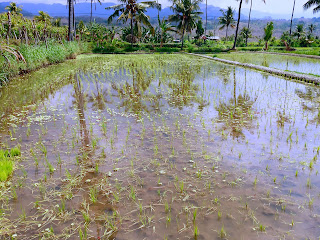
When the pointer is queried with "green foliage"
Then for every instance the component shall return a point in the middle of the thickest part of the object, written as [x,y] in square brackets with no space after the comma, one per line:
[7,163]
[37,56]
[130,10]
[244,34]
[200,29]
[227,20]
[186,14]
[268,32]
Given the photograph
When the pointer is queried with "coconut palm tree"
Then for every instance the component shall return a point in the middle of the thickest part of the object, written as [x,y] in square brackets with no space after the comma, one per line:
[93,1]
[294,4]
[13,8]
[57,22]
[250,18]
[205,28]
[186,14]
[299,31]
[238,22]
[311,28]
[43,17]
[130,9]
[164,27]
[70,19]
[226,20]
[311,3]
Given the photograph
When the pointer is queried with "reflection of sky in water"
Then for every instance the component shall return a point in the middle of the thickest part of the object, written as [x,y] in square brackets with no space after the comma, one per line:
[290,63]
[175,90]
[212,96]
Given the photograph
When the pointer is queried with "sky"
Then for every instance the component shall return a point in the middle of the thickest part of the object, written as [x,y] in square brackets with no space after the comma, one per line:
[283,7]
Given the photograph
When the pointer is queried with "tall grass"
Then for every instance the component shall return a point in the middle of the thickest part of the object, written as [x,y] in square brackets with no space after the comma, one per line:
[39,56]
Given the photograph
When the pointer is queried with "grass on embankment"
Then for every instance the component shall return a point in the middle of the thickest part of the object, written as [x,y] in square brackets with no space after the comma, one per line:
[37,56]
[7,162]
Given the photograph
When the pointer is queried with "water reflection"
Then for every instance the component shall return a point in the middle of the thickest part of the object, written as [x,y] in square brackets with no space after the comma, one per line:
[282,62]
[311,103]
[80,103]
[237,113]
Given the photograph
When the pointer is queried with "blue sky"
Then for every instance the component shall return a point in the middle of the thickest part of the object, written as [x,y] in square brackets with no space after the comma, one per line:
[272,6]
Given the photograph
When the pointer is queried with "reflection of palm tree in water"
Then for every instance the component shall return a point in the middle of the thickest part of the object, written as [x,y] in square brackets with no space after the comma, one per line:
[312,101]
[80,103]
[99,98]
[265,62]
[184,90]
[237,113]
[282,117]
[134,95]
[225,72]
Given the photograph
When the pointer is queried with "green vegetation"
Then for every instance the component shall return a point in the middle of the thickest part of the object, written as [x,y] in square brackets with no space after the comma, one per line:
[36,56]
[7,162]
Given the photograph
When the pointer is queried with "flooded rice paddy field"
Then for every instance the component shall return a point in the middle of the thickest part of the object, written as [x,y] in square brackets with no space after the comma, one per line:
[160,147]
[281,62]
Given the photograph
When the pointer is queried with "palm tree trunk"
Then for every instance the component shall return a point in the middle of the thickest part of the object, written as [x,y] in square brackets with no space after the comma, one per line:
[182,39]
[249,23]
[9,28]
[91,12]
[131,22]
[294,4]
[205,29]
[237,29]
[227,33]
[161,40]
[70,21]
[74,24]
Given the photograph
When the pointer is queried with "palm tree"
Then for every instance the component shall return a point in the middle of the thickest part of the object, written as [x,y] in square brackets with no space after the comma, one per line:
[250,18]
[311,28]
[311,3]
[237,29]
[186,14]
[294,4]
[205,28]
[164,27]
[299,31]
[226,20]
[57,22]
[268,31]
[70,19]
[43,17]
[93,1]
[13,8]
[134,11]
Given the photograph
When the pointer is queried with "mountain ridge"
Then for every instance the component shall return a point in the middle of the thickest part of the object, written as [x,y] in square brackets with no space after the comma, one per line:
[83,9]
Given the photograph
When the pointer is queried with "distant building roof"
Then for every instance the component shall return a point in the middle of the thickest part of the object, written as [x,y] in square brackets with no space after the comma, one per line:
[213,38]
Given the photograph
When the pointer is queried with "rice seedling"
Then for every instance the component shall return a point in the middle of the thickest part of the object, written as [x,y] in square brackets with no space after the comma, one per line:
[262,228]
[93,194]
[222,233]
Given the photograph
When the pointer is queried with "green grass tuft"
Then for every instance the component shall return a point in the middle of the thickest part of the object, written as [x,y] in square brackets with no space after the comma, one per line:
[7,163]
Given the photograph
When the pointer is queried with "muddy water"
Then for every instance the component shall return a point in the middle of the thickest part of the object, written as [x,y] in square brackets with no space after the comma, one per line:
[282,62]
[160,147]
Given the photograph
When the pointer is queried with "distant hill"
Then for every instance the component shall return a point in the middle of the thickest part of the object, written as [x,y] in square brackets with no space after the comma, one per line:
[3,6]
[83,9]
